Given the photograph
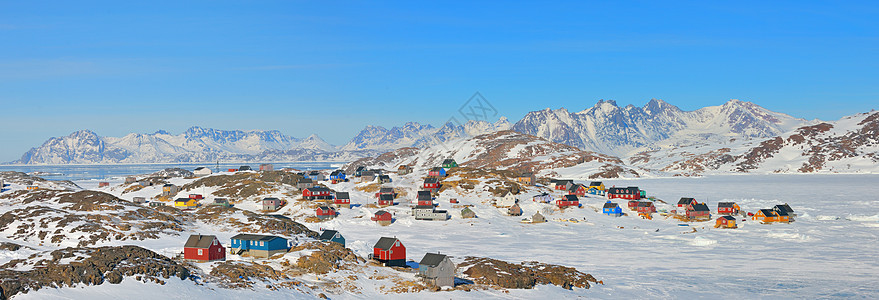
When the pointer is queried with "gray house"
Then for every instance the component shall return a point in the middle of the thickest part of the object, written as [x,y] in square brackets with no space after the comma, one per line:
[138,199]
[271,204]
[220,201]
[437,270]
[467,213]
[429,213]
[367,176]
[305,183]
[384,178]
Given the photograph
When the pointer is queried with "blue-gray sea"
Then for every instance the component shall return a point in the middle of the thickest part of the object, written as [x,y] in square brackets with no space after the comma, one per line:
[102,172]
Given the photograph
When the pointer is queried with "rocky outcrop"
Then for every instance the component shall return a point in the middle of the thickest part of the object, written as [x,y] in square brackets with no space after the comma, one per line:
[246,184]
[255,223]
[325,257]
[526,275]
[90,266]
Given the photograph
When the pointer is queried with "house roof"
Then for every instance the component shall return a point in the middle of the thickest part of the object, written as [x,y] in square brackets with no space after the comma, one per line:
[360,168]
[432,259]
[767,212]
[167,184]
[270,199]
[424,207]
[784,207]
[571,198]
[700,207]
[610,205]
[645,204]
[781,213]
[685,201]
[385,243]
[404,167]
[728,218]
[381,212]
[448,161]
[183,200]
[725,204]
[386,197]
[327,235]
[436,168]
[564,181]
[431,180]
[595,183]
[199,241]
[199,168]
[342,195]
[384,177]
[318,189]
[385,190]
[526,174]
[325,208]
[305,180]
[424,195]
[255,237]
[337,172]
[625,190]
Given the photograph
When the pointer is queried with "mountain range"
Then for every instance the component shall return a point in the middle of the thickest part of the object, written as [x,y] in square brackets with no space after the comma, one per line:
[656,138]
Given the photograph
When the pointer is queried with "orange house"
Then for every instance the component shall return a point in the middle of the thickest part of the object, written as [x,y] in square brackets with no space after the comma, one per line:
[770,216]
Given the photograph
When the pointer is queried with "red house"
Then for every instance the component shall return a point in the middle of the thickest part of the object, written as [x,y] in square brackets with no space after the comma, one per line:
[632,193]
[633,204]
[203,248]
[385,200]
[386,191]
[577,189]
[232,170]
[383,218]
[727,208]
[317,192]
[698,210]
[683,205]
[431,183]
[646,207]
[342,199]
[424,198]
[196,196]
[103,184]
[568,200]
[390,252]
[325,212]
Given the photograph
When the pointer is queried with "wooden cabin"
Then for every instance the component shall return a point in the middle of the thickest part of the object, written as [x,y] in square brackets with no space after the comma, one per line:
[317,192]
[130,179]
[196,196]
[390,252]
[645,207]
[203,248]
[304,183]
[257,245]
[633,204]
[103,184]
[184,203]
[437,270]
[467,213]
[138,200]
[386,191]
[220,201]
[384,178]
[631,193]
[325,212]
[563,185]
[728,208]
[431,184]
[612,209]
[725,222]
[359,171]
[202,171]
[342,199]
[526,178]
[169,190]
[449,163]
[538,218]
[596,185]
[786,210]
[404,169]
[683,205]
[515,210]
[568,201]
[332,236]
[383,218]
[770,216]
[338,175]
[698,211]
[577,189]
[437,172]
[271,204]
[424,199]
[507,200]
[385,200]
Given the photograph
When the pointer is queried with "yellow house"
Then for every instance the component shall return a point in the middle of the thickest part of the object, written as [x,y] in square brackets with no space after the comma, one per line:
[185,203]
[598,185]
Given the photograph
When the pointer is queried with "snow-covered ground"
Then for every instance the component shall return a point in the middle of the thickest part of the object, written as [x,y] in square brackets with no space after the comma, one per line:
[829,252]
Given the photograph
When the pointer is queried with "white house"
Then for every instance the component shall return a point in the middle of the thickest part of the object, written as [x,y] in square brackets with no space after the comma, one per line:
[507,200]
[202,171]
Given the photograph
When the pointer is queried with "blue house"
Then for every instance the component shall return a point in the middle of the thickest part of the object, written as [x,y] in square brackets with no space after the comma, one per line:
[332,236]
[595,191]
[337,175]
[612,209]
[257,245]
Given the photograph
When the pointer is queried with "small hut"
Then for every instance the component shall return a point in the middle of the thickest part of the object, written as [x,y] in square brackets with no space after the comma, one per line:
[467,213]
[515,210]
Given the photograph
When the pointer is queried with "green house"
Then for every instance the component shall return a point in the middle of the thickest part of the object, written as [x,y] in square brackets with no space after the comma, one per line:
[449,163]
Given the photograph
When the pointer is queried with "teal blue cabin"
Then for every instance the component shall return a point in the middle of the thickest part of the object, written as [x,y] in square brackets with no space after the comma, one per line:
[257,245]
[332,236]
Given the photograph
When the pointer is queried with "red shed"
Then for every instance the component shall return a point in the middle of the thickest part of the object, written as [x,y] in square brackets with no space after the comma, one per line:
[383,217]
[233,170]
[196,196]
[390,252]
[203,248]
[103,184]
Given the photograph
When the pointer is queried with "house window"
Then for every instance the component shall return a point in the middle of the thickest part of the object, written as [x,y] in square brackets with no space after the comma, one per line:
[199,252]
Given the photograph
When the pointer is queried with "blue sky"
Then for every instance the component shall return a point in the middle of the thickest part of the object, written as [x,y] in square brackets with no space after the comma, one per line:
[332,68]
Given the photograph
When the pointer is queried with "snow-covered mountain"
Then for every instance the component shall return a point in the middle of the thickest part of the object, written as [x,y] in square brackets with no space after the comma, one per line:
[621,131]
[413,134]
[196,144]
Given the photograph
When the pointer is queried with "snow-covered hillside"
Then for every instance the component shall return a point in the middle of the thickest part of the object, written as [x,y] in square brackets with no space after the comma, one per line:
[620,131]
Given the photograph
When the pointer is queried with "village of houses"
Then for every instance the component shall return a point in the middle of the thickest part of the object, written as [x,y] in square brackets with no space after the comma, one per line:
[404,196]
